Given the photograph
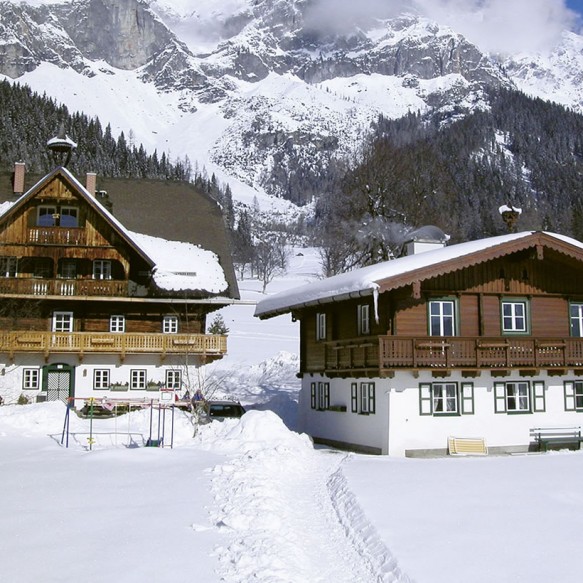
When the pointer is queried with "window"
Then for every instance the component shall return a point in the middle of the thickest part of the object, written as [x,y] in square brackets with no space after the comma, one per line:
[363,316]
[320,326]
[101,379]
[8,266]
[442,320]
[101,269]
[47,216]
[363,400]
[517,397]
[573,395]
[446,399]
[117,323]
[173,379]
[68,269]
[320,396]
[138,379]
[51,216]
[514,317]
[69,217]
[576,318]
[62,321]
[170,324]
[30,379]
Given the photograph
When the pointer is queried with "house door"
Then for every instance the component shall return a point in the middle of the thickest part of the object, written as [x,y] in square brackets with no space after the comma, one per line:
[58,382]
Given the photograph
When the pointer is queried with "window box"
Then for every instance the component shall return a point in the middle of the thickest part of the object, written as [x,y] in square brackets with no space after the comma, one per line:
[338,408]
[119,387]
[153,386]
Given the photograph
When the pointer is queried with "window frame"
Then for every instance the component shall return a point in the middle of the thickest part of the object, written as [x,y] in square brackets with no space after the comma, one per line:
[573,392]
[320,326]
[363,398]
[463,394]
[453,316]
[173,379]
[101,379]
[363,319]
[117,324]
[59,318]
[101,269]
[170,324]
[138,379]
[577,318]
[8,266]
[30,379]
[515,331]
[535,393]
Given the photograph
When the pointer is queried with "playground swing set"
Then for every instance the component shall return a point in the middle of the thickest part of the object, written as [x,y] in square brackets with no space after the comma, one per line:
[94,409]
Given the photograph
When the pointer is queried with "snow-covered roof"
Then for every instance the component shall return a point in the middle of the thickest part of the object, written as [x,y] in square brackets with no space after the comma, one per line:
[367,280]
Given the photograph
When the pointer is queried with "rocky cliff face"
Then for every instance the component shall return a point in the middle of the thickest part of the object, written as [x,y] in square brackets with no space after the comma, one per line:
[292,96]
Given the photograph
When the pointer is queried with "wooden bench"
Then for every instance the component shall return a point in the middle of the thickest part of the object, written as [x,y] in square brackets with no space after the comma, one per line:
[547,436]
[466,446]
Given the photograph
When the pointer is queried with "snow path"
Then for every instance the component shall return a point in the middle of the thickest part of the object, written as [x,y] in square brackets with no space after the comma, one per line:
[322,536]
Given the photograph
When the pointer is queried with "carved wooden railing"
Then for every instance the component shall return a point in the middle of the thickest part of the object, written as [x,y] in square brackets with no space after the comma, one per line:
[111,343]
[394,352]
[64,287]
[56,236]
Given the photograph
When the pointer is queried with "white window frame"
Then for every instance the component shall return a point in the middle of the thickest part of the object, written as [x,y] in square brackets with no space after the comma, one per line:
[170,325]
[508,400]
[62,322]
[138,379]
[573,395]
[363,319]
[510,321]
[433,402]
[101,379]
[101,269]
[46,210]
[440,321]
[30,379]
[117,323]
[173,379]
[576,319]
[320,326]
[8,266]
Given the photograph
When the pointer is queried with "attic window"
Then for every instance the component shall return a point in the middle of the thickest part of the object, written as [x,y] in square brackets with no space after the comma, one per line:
[53,216]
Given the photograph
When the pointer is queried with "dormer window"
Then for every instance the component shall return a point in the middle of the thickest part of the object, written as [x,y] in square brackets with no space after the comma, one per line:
[57,216]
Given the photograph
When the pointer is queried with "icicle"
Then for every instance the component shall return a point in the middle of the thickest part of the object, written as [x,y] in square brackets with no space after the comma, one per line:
[375,295]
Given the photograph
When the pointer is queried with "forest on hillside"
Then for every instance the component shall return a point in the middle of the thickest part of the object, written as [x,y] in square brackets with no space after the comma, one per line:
[421,170]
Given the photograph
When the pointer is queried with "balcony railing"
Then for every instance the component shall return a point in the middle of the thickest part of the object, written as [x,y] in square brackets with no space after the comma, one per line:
[109,343]
[56,236]
[393,352]
[65,287]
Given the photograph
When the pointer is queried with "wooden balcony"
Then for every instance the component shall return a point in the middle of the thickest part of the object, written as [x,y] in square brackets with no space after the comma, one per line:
[81,343]
[387,353]
[64,287]
[56,236]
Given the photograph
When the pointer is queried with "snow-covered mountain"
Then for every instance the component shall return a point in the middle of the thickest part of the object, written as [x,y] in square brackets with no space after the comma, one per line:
[259,90]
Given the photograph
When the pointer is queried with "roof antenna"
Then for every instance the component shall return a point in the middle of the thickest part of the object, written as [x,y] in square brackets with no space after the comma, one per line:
[509,215]
[62,147]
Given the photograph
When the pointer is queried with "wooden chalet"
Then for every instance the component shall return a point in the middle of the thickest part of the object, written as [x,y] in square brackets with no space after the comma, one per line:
[85,310]
[482,339]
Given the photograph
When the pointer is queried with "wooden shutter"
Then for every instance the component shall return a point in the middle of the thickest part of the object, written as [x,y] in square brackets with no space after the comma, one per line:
[354,397]
[326,395]
[467,398]
[313,395]
[425,401]
[538,394]
[499,398]
[569,387]
[371,398]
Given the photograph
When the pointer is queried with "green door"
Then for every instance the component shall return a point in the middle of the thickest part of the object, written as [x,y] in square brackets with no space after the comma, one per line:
[58,382]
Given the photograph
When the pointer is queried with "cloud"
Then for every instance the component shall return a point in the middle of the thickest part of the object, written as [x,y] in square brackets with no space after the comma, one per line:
[500,26]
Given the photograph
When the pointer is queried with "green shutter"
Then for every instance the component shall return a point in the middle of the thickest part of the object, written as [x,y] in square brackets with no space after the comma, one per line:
[569,387]
[326,395]
[354,397]
[467,398]
[499,398]
[371,398]
[425,401]
[538,392]
[313,395]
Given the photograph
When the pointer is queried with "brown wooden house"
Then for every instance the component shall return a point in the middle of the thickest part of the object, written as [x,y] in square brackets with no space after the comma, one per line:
[482,339]
[88,305]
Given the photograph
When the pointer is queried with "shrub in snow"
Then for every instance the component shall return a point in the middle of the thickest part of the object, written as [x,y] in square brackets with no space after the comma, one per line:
[218,326]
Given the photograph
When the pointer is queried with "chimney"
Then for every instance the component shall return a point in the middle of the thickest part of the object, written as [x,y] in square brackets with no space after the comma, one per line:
[91,182]
[424,239]
[19,173]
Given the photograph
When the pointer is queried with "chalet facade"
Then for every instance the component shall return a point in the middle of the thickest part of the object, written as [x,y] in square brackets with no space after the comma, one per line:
[482,339]
[105,303]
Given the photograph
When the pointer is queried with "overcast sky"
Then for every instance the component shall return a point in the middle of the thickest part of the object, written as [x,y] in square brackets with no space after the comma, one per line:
[494,25]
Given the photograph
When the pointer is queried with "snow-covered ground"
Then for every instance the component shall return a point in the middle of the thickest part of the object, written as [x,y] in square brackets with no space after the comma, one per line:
[250,500]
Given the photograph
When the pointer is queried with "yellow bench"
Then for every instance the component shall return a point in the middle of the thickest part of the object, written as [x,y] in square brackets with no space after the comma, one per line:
[466,446]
